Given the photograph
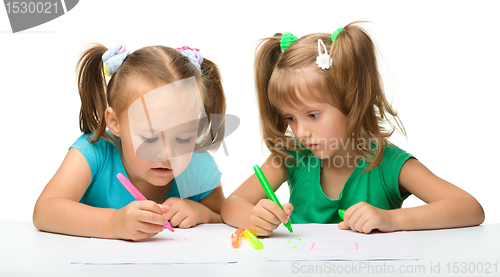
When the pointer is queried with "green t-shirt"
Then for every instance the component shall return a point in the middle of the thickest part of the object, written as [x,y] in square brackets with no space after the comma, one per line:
[378,187]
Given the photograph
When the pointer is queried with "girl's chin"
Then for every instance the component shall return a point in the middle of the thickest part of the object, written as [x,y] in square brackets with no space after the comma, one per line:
[159,181]
[320,154]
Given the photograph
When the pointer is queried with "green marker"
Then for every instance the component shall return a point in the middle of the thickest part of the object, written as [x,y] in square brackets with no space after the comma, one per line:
[269,192]
[341,213]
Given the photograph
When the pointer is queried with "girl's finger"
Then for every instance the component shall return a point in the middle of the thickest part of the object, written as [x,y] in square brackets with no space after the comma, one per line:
[288,208]
[149,206]
[276,211]
[151,218]
[264,224]
[149,228]
[164,208]
[259,231]
[353,219]
[177,218]
[361,222]
[348,213]
[343,226]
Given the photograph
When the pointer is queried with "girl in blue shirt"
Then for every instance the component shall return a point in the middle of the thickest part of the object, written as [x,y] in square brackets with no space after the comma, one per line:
[149,123]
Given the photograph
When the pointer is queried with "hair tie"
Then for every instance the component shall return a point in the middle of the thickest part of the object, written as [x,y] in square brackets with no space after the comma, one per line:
[193,54]
[286,40]
[187,48]
[323,59]
[336,33]
[114,57]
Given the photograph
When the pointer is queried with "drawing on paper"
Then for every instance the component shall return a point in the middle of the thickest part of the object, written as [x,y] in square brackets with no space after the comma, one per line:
[178,239]
[335,246]
[294,243]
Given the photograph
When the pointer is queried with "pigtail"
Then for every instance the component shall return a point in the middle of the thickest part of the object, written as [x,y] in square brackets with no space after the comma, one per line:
[357,77]
[92,90]
[215,106]
[272,123]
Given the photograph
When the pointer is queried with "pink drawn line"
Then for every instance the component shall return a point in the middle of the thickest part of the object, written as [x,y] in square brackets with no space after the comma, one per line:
[179,239]
[334,248]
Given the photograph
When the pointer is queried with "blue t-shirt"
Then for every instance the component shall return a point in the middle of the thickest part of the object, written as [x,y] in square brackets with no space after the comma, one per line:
[105,191]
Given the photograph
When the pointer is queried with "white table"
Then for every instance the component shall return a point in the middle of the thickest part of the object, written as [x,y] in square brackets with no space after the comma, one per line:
[25,251]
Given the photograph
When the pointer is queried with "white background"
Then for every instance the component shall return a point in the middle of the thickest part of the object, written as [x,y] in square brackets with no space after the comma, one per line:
[441,70]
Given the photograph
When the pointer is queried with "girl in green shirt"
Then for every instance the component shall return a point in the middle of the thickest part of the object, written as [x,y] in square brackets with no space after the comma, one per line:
[326,90]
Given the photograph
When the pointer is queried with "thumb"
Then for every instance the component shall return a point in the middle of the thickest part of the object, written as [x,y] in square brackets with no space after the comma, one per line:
[343,226]
[164,209]
[288,208]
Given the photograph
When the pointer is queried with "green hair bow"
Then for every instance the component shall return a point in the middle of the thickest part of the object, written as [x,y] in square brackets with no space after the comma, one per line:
[336,33]
[286,40]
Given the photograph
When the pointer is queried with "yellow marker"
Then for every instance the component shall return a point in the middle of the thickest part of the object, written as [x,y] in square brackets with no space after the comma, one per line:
[253,240]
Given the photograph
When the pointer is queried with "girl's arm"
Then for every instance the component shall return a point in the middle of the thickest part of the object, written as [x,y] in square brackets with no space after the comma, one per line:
[248,207]
[58,208]
[213,202]
[186,213]
[447,206]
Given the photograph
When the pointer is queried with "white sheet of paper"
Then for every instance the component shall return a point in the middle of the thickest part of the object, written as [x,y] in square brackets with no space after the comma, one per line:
[327,242]
[184,246]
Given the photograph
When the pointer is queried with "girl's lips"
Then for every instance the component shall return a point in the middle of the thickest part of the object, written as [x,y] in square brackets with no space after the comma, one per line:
[160,170]
[312,145]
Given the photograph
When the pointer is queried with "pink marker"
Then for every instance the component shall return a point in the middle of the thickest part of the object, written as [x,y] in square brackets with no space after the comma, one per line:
[136,193]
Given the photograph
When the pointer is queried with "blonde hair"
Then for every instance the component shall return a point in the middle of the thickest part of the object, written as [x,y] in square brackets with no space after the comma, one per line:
[145,69]
[352,84]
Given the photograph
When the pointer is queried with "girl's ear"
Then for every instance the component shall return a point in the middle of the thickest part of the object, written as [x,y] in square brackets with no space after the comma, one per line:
[112,121]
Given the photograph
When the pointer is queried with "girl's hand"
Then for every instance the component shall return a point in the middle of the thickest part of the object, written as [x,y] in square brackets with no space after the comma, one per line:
[363,217]
[267,216]
[139,220]
[185,213]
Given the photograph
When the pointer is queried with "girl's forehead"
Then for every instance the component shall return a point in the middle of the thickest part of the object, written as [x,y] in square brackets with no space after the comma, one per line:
[303,98]
[167,106]
[303,104]
[292,88]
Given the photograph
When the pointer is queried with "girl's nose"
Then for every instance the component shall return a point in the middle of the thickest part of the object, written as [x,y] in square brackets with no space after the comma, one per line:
[302,131]
[165,150]
[162,153]
[159,156]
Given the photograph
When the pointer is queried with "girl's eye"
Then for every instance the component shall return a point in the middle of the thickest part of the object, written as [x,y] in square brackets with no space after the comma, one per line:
[150,140]
[290,118]
[179,140]
[314,115]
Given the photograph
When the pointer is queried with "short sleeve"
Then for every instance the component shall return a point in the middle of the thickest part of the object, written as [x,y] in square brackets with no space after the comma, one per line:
[390,166]
[93,153]
[210,175]
[200,177]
